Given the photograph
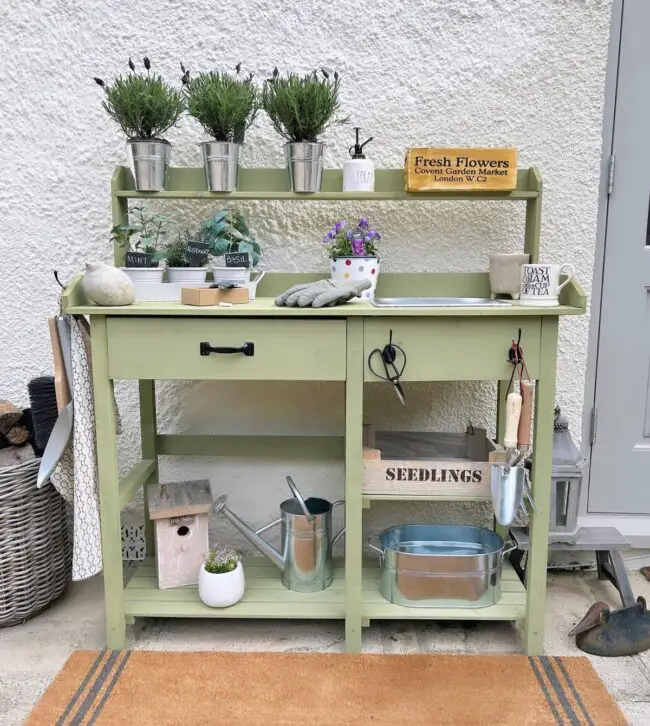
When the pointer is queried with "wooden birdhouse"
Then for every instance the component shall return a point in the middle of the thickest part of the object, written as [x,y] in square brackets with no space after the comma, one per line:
[180,512]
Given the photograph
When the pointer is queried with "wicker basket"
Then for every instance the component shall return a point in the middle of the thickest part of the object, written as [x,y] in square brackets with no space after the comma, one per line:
[35,544]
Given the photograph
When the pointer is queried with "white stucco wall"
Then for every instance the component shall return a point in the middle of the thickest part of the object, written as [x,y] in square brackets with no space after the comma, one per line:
[469,72]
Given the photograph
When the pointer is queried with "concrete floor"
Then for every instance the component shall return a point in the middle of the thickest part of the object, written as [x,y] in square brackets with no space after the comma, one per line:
[32,653]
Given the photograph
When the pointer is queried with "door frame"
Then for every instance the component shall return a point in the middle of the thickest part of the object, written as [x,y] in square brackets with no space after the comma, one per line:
[635,528]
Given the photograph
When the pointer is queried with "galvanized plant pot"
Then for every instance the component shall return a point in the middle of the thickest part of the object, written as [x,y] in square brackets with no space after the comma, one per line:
[149,163]
[221,164]
[305,165]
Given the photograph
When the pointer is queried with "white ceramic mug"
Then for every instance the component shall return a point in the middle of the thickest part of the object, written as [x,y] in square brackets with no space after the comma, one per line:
[540,284]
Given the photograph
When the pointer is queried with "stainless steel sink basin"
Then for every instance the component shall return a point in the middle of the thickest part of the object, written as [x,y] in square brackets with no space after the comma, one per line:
[437,302]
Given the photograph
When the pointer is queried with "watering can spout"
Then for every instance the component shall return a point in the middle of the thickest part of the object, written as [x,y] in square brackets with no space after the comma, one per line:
[251,535]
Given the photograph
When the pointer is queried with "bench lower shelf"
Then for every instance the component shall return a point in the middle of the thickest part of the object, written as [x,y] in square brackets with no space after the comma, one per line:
[267,598]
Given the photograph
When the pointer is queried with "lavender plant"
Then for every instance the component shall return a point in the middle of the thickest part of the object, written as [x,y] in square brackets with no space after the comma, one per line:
[144,106]
[345,240]
[221,560]
[223,104]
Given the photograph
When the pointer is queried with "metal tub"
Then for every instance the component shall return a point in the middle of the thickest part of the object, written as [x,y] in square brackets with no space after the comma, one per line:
[441,565]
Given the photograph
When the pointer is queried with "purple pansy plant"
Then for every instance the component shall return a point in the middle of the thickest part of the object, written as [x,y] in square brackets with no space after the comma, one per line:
[345,240]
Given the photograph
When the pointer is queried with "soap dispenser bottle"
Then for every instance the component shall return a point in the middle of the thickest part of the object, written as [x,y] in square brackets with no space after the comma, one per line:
[358,172]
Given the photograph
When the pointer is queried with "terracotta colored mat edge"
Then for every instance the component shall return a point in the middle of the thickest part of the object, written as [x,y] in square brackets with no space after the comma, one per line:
[150,687]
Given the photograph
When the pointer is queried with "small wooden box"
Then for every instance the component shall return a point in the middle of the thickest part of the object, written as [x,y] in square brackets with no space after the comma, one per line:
[431,464]
[180,511]
[462,169]
[202,296]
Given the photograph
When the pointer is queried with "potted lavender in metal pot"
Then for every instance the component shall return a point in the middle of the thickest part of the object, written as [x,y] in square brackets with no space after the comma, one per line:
[145,107]
[226,106]
[353,252]
[221,578]
[301,109]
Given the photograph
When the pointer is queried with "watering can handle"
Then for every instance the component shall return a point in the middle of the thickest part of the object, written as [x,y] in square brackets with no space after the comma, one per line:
[374,546]
[301,501]
[337,537]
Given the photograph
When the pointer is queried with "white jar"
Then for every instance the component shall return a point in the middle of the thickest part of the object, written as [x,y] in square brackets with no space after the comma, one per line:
[358,172]
[222,589]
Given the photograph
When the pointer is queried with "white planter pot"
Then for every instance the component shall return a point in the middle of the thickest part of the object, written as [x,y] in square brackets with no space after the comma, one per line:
[221,590]
[144,274]
[236,275]
[190,275]
[355,269]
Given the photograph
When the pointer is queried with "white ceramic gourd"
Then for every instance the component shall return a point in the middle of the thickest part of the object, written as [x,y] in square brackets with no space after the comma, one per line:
[106,285]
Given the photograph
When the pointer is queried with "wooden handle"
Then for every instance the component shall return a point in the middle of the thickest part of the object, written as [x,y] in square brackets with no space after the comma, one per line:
[527,391]
[61,386]
[513,412]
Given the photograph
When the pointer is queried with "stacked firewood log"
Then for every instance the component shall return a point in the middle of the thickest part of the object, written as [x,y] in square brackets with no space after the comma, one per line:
[16,435]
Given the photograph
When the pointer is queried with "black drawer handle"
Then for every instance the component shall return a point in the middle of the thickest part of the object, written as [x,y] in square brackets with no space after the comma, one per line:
[247,349]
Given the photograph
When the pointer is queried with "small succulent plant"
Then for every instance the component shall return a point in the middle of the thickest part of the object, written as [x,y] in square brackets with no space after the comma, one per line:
[221,559]
[301,108]
[228,231]
[144,105]
[224,104]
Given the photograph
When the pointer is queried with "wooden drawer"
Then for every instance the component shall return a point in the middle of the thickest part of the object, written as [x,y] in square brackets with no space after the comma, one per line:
[169,348]
[453,349]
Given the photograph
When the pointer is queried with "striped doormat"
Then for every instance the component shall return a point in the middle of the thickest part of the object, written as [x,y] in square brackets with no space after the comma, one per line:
[135,687]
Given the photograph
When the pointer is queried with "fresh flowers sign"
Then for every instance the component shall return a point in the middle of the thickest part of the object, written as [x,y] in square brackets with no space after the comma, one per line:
[345,240]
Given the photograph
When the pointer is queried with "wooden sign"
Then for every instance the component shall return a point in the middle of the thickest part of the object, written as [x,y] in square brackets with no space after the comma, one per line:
[464,170]
[237,259]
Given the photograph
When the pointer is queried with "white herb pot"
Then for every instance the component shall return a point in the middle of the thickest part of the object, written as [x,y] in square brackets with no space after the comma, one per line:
[236,275]
[190,275]
[223,589]
[144,274]
[355,269]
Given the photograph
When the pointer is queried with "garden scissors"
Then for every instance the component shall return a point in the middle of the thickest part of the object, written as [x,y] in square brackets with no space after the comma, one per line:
[392,371]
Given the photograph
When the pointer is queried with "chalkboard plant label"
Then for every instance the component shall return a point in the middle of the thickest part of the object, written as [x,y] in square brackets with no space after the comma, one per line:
[139,259]
[237,259]
[461,169]
[187,255]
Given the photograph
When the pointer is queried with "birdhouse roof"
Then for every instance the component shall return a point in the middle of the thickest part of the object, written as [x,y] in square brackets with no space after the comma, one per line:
[179,498]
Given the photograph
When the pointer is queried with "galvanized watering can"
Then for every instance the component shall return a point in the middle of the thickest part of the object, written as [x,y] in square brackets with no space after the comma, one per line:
[306,556]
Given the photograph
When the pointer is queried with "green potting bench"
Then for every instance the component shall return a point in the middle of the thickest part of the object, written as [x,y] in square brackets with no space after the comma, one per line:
[150,341]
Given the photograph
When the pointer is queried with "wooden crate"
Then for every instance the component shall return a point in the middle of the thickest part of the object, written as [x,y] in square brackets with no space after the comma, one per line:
[448,465]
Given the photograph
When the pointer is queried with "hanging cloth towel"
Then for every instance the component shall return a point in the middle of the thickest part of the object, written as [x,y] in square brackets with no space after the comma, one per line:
[75,476]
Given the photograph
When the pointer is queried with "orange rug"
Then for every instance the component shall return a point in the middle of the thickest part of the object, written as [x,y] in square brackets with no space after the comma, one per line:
[135,687]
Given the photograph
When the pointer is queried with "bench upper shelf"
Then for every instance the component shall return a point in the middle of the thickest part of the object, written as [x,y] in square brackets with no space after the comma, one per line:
[189,183]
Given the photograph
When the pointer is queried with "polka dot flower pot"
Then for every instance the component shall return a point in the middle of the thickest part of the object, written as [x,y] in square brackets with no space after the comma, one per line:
[355,269]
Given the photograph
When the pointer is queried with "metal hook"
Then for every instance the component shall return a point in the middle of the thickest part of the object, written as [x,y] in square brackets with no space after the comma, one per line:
[56,277]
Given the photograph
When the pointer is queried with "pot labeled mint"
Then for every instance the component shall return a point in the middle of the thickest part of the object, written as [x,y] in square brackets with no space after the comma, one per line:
[301,109]
[226,106]
[140,243]
[353,253]
[145,107]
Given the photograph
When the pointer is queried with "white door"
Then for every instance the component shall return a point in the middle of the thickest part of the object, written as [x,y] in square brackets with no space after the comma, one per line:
[620,461]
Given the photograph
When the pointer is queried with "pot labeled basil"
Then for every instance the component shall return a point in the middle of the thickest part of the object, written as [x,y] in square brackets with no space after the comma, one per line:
[140,243]
[301,109]
[353,253]
[225,106]
[145,107]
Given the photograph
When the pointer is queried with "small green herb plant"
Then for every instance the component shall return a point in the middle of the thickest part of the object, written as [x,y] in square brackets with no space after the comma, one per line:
[221,560]
[175,251]
[228,231]
[302,108]
[225,105]
[144,233]
[144,105]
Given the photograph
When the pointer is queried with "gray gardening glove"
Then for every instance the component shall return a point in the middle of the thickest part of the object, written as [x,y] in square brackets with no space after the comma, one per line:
[336,294]
[290,298]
